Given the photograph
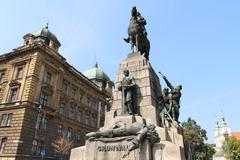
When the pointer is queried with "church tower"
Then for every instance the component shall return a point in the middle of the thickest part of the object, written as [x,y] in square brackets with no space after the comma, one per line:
[222,130]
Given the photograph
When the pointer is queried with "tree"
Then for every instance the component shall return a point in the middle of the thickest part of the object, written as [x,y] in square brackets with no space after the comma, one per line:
[231,148]
[194,137]
[62,145]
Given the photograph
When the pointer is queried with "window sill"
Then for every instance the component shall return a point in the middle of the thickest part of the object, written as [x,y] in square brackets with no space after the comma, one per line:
[5,126]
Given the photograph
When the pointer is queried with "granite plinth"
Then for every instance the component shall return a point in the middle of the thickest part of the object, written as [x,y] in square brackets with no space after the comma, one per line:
[98,150]
[148,87]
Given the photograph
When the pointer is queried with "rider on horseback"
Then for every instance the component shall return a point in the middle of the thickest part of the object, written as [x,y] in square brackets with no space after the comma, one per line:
[137,34]
[136,16]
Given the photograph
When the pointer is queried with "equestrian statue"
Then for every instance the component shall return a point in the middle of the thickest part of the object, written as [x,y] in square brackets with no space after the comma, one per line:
[137,35]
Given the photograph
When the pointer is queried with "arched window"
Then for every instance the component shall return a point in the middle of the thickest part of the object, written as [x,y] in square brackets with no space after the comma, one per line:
[3,144]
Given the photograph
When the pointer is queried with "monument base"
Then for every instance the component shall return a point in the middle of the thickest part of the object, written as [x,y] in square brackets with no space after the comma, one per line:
[171,146]
[98,150]
[146,98]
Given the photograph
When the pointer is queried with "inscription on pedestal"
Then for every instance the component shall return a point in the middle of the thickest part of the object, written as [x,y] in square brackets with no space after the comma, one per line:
[97,150]
[112,148]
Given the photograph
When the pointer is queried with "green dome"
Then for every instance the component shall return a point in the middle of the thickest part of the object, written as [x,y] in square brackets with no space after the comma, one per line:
[44,32]
[96,73]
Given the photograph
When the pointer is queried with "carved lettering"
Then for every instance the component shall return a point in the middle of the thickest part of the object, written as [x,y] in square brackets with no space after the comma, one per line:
[112,148]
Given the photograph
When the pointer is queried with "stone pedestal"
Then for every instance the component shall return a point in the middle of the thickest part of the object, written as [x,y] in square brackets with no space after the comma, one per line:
[148,89]
[97,150]
[148,86]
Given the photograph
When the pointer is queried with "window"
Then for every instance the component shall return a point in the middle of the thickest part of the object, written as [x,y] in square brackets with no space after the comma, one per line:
[6,119]
[37,146]
[78,135]
[62,106]
[65,87]
[74,92]
[2,74]
[13,95]
[19,73]
[71,111]
[60,128]
[41,122]
[78,117]
[47,78]
[69,133]
[34,147]
[43,99]
[3,144]
[81,96]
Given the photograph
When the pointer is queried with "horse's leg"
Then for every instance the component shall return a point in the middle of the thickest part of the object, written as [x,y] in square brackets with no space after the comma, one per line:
[132,43]
[137,42]
[132,47]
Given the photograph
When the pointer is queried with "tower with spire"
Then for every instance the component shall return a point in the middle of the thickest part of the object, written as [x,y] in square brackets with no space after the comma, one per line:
[221,130]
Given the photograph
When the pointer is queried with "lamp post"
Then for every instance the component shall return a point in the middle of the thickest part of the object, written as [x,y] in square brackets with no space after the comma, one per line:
[226,135]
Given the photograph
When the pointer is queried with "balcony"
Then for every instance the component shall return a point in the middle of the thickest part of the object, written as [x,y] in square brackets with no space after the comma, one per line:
[47,87]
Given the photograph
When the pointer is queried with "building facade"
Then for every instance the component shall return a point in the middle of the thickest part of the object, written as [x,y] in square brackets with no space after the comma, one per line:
[43,97]
[222,130]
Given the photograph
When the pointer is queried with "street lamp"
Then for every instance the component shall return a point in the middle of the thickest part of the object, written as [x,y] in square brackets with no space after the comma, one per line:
[226,135]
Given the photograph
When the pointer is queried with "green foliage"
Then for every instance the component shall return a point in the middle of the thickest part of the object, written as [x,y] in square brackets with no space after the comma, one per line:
[231,148]
[192,125]
[195,136]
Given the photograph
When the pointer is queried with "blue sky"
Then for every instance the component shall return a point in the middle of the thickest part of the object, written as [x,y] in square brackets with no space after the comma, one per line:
[195,43]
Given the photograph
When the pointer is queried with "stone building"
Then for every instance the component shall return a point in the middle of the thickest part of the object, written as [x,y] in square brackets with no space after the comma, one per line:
[43,97]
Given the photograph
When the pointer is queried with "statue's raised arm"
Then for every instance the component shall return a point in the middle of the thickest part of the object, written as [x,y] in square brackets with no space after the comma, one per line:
[167,81]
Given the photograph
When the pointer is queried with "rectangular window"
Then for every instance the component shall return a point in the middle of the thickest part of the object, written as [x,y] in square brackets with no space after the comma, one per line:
[69,133]
[81,96]
[19,73]
[78,116]
[37,147]
[47,78]
[78,135]
[65,87]
[60,128]
[13,95]
[3,143]
[43,99]
[71,111]
[2,74]
[6,120]
[41,122]
[34,147]
[62,106]
[74,93]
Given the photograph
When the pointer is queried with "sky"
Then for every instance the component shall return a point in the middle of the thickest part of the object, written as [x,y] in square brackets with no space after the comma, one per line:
[194,43]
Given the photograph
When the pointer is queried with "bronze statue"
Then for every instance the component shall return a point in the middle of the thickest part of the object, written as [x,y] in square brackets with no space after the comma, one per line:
[172,99]
[163,107]
[137,35]
[127,87]
[139,131]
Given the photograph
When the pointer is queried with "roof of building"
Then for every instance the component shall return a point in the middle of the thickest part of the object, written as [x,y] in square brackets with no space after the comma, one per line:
[236,135]
[45,32]
[96,73]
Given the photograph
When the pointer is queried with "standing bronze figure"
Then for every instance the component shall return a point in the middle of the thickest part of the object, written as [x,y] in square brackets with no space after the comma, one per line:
[127,87]
[137,35]
[172,99]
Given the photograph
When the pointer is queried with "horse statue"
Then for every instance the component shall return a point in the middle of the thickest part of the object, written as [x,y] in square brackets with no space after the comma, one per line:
[137,35]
